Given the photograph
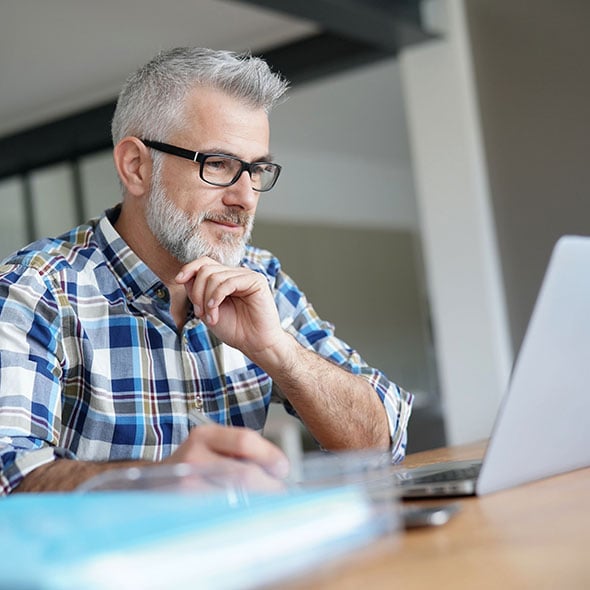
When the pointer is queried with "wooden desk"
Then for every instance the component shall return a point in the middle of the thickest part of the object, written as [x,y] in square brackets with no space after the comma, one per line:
[534,536]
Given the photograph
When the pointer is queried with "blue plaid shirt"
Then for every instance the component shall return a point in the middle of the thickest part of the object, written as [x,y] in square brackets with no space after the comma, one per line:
[93,366]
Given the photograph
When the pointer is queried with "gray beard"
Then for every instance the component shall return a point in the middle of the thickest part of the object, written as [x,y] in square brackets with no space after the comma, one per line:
[182,235]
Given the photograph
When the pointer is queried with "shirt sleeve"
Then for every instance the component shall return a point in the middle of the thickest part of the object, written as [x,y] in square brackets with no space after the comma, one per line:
[299,318]
[30,389]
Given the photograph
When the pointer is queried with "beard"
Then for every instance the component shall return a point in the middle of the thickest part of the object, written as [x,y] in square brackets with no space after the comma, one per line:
[182,234]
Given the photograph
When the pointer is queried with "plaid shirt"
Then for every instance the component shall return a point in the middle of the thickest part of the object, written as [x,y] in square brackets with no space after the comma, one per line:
[93,367]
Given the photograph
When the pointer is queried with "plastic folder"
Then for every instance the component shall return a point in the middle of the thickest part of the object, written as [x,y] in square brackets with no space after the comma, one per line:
[162,539]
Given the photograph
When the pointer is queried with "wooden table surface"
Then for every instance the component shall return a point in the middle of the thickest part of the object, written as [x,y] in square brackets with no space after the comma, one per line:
[533,536]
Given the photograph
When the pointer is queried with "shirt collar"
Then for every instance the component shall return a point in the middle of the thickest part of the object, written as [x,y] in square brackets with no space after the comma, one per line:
[135,277]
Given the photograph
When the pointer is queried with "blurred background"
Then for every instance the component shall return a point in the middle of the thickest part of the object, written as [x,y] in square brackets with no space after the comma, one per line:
[433,152]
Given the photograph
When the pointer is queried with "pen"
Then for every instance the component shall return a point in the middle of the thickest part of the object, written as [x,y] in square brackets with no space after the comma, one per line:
[197,418]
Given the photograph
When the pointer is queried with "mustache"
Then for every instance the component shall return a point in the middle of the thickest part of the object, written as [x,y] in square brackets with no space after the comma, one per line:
[228,216]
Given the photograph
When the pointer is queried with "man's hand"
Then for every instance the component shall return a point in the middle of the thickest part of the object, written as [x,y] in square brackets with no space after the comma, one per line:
[213,445]
[237,306]
[341,410]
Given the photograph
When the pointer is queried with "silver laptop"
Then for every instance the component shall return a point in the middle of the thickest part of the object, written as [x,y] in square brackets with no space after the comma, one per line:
[543,425]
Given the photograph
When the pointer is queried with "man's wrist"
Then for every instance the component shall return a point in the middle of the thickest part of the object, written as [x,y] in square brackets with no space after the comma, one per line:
[281,357]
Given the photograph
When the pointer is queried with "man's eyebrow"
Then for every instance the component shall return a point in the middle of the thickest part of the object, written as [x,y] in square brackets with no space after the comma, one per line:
[214,150]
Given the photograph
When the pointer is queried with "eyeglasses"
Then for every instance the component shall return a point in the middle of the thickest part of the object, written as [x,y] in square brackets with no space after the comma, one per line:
[222,169]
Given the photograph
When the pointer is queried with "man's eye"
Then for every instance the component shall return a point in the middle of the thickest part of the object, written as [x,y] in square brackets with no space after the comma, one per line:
[262,168]
[217,163]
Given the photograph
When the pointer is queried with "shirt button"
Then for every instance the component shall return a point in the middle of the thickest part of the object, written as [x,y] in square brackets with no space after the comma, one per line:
[199,404]
[161,293]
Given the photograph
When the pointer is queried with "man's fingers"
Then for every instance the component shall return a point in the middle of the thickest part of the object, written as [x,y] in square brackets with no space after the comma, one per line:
[190,269]
[247,444]
[208,284]
[195,288]
[212,442]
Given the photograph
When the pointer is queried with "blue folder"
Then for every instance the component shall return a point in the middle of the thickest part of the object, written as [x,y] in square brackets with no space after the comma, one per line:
[111,540]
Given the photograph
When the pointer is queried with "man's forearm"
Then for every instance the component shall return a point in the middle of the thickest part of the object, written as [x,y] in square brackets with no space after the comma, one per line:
[207,445]
[341,410]
[64,475]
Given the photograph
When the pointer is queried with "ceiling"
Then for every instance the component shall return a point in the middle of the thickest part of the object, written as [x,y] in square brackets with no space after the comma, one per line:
[59,56]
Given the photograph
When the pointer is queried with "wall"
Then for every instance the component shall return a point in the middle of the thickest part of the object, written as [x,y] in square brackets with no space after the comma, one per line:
[457,227]
[499,128]
[533,82]
[344,222]
[345,142]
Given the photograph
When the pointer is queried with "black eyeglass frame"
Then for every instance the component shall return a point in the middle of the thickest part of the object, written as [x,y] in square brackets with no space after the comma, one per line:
[201,158]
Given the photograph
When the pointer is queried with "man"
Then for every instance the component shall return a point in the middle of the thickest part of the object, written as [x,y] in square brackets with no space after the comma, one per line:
[120,336]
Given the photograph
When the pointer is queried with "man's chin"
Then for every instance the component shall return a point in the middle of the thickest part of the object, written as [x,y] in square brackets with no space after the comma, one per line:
[222,255]
[233,258]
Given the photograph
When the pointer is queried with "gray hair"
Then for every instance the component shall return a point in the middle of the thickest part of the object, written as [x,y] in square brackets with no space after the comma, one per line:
[152,102]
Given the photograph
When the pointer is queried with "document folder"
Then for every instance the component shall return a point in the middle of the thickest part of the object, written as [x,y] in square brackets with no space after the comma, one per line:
[161,539]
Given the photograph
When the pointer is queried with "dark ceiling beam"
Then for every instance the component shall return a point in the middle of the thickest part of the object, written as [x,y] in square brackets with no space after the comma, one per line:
[320,55]
[385,24]
[64,139]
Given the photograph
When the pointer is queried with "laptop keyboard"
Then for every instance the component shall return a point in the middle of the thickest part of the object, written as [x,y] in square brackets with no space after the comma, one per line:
[460,473]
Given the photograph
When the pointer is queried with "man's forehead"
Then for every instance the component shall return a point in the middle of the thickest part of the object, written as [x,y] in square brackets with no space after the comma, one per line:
[215,121]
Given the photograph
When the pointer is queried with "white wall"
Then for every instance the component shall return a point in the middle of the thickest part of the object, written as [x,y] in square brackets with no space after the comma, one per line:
[499,128]
[53,199]
[13,230]
[459,242]
[345,146]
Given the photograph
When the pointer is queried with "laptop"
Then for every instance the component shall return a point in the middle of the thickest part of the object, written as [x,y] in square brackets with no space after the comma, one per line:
[543,424]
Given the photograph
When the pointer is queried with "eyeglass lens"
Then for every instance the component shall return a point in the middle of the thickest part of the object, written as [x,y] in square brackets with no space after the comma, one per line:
[222,170]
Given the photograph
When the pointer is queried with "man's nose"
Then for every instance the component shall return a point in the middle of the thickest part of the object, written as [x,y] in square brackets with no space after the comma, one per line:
[241,194]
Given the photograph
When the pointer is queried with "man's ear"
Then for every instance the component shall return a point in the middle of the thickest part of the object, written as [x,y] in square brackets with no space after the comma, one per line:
[134,165]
